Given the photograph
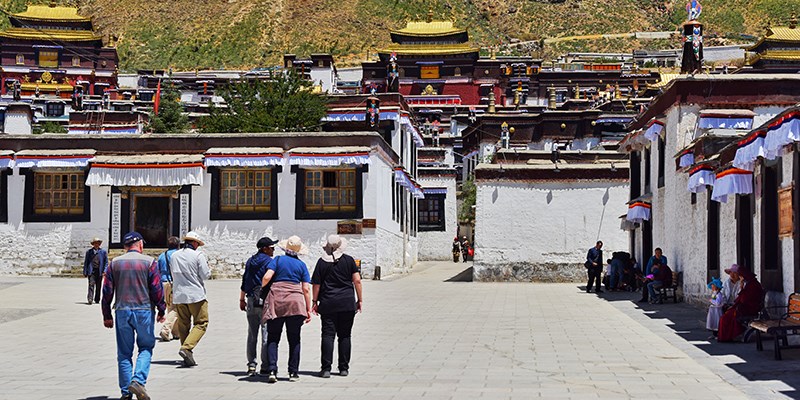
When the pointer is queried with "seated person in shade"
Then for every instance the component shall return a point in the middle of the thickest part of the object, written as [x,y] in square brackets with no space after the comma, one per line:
[747,304]
[662,277]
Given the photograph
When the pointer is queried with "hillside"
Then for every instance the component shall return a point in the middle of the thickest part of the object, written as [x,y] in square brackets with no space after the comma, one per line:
[189,34]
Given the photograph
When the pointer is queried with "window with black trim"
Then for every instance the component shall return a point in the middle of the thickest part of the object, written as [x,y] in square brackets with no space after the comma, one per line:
[4,194]
[431,212]
[245,190]
[329,193]
[48,58]
[54,109]
[58,193]
[244,193]
[20,59]
[330,190]
[662,149]
[647,171]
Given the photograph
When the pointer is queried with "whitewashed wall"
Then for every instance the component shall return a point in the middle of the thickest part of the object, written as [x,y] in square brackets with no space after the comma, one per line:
[43,248]
[542,231]
[681,228]
[437,245]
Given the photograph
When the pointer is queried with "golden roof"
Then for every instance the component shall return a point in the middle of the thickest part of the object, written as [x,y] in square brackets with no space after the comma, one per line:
[778,34]
[52,13]
[46,87]
[664,79]
[50,34]
[433,28]
[776,55]
[430,49]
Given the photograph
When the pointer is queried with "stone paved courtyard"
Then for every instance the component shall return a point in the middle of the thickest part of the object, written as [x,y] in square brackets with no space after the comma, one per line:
[419,337]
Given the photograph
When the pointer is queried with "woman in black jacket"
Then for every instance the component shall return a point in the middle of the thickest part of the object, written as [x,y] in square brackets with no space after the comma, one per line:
[335,280]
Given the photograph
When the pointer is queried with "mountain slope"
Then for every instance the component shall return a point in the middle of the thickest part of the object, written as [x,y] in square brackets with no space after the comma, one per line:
[189,34]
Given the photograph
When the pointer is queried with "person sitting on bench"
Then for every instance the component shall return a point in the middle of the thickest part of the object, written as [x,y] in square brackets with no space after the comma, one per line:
[747,303]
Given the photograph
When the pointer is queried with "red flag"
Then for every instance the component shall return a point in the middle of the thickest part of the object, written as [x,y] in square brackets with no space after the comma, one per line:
[157,98]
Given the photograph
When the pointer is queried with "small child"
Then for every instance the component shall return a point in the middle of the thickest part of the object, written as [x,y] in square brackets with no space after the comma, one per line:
[715,309]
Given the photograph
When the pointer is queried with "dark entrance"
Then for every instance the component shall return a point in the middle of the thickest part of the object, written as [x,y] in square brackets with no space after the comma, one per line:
[151,218]
[647,243]
[744,230]
[771,260]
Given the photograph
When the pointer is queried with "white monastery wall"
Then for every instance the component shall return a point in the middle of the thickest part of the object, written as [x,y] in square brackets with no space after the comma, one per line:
[542,231]
[437,245]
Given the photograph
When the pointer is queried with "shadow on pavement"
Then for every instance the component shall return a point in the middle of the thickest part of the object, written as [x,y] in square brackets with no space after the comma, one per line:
[688,321]
[243,377]
[98,398]
[463,276]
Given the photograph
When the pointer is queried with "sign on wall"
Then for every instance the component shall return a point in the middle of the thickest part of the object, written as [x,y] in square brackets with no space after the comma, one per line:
[785,212]
[184,213]
[350,227]
[116,217]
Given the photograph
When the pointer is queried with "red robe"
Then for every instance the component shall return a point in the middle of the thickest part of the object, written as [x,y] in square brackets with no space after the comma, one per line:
[748,303]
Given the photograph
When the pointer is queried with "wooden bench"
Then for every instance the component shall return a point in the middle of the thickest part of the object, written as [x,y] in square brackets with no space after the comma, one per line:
[779,328]
[664,291]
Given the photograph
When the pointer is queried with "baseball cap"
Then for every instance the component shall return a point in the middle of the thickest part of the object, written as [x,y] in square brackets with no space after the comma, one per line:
[265,242]
[131,238]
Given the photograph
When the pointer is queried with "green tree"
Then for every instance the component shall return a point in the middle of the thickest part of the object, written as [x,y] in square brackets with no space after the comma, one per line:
[468,191]
[49,127]
[283,103]
[170,118]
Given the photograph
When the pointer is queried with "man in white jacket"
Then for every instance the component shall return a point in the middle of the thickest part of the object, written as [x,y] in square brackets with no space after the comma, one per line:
[189,272]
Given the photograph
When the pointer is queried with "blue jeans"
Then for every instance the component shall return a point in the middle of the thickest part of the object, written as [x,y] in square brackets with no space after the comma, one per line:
[615,275]
[651,288]
[138,326]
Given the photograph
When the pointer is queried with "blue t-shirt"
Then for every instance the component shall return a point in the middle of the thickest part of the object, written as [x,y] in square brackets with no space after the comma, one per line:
[289,269]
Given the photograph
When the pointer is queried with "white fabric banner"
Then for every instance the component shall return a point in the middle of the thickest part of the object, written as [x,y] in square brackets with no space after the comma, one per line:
[652,133]
[52,162]
[332,160]
[265,161]
[686,160]
[638,212]
[178,176]
[732,183]
[777,139]
[725,123]
[746,156]
[699,180]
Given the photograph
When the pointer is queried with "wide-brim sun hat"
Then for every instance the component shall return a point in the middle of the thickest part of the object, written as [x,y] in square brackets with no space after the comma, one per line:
[334,248]
[733,268]
[293,245]
[193,236]
[95,240]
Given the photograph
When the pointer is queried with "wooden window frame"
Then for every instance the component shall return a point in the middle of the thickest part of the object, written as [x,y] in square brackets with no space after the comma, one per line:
[81,214]
[440,224]
[301,211]
[219,212]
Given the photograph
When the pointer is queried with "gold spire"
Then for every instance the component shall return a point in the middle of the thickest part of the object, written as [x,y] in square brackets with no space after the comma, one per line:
[430,15]
[793,21]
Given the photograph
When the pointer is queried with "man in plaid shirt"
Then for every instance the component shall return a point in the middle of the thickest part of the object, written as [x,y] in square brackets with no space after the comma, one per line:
[134,280]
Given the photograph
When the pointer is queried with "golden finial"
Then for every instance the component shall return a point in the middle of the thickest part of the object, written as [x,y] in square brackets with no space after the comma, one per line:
[793,21]
[430,14]
[52,3]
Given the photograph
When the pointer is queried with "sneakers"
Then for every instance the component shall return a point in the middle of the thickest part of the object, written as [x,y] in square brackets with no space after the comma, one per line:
[137,389]
[273,377]
[188,357]
[324,374]
[251,371]
[293,377]
[344,372]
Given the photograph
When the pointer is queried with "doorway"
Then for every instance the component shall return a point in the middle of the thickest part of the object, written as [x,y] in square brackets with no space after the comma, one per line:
[151,217]
[744,230]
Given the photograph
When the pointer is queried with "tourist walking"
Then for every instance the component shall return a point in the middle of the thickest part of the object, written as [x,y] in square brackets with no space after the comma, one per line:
[336,293]
[251,302]
[464,249]
[189,272]
[168,329]
[288,303]
[94,265]
[594,267]
[133,282]
[456,249]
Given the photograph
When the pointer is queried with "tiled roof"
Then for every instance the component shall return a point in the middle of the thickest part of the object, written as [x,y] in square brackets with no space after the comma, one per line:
[776,55]
[433,28]
[410,49]
[47,13]
[50,34]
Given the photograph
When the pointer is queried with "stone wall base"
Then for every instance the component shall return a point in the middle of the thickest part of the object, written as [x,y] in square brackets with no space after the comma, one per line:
[530,272]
